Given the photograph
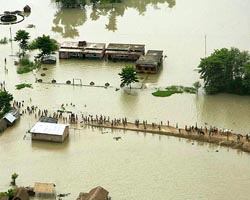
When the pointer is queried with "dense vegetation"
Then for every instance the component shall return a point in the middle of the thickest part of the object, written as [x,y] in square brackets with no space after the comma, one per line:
[226,70]
[5,99]
[25,65]
[45,44]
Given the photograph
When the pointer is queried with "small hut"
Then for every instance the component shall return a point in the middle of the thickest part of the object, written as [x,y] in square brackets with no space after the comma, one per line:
[11,117]
[97,193]
[46,190]
[27,9]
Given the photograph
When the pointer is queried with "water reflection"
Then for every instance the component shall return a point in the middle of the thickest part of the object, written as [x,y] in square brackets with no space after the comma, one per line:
[66,21]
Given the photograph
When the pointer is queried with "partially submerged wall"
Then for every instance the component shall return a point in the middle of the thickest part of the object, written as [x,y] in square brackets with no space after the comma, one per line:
[3,125]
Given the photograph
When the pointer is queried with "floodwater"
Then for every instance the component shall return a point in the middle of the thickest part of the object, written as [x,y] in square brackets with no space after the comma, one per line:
[138,166]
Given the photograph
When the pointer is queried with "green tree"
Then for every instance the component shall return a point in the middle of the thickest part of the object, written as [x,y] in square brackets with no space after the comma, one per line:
[45,44]
[128,76]
[22,37]
[226,70]
[5,99]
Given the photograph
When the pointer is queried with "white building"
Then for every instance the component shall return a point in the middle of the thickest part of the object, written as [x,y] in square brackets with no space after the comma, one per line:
[49,132]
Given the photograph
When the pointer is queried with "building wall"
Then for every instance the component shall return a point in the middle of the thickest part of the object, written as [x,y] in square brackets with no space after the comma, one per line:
[46,137]
[52,138]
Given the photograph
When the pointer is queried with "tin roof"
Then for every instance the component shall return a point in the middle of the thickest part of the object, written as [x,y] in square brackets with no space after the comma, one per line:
[48,128]
[10,117]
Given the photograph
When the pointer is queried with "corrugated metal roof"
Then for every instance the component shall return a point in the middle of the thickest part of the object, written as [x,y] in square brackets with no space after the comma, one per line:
[11,118]
[48,128]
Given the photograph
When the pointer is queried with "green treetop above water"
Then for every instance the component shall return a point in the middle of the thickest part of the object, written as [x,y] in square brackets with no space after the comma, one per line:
[226,70]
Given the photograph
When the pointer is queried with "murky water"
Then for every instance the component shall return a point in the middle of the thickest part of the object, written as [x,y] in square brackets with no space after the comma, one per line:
[138,167]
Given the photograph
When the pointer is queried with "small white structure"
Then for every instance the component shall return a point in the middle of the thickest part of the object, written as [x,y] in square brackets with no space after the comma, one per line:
[49,132]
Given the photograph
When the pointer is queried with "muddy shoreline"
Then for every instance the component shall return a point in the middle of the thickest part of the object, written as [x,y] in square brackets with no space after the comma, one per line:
[219,139]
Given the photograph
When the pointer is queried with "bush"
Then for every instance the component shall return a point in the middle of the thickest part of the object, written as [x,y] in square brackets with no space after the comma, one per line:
[4,40]
[25,65]
[23,85]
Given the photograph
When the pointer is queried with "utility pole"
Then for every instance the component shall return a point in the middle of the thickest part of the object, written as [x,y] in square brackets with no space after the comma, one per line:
[205,45]
[11,41]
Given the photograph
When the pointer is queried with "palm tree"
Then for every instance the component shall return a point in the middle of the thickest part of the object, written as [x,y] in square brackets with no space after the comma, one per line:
[14,177]
[128,76]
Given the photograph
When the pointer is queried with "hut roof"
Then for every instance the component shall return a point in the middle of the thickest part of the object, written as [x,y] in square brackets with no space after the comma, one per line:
[97,193]
[21,194]
[45,188]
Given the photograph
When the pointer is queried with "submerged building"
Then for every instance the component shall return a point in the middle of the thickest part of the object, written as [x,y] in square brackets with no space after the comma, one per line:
[149,63]
[116,51]
[46,131]
[81,49]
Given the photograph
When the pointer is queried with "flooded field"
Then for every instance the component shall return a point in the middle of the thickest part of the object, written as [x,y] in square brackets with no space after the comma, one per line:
[138,166]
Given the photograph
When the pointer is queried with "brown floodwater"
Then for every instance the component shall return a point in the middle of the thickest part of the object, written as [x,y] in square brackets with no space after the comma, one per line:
[139,166]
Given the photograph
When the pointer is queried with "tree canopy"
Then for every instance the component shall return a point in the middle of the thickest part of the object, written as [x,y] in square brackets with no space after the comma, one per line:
[5,99]
[22,37]
[128,76]
[82,3]
[45,44]
[226,70]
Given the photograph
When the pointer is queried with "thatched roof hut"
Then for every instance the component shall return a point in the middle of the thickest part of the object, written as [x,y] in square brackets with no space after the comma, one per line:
[21,194]
[97,193]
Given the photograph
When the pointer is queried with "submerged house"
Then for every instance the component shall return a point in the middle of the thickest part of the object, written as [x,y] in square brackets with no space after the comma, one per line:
[81,49]
[97,193]
[149,63]
[11,117]
[45,190]
[49,132]
[131,52]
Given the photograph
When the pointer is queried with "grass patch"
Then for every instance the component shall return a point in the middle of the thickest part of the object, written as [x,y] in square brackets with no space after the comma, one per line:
[23,85]
[4,40]
[174,89]
[165,93]
[25,65]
